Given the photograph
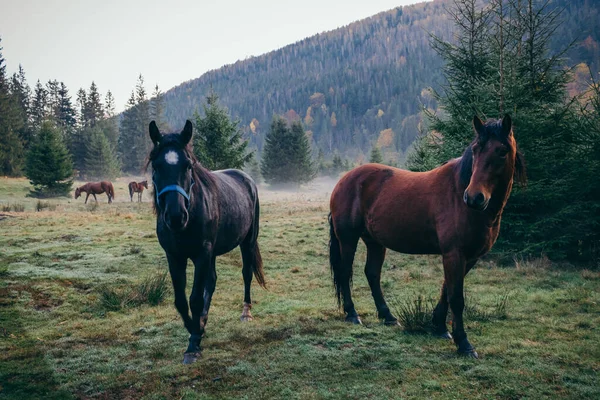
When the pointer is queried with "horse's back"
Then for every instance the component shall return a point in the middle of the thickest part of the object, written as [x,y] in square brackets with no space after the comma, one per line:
[238,207]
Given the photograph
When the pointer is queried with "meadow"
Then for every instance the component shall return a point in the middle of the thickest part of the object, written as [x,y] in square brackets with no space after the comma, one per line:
[77,319]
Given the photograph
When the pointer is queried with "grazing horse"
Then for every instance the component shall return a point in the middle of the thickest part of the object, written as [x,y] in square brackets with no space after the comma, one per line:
[453,210]
[95,188]
[137,187]
[201,215]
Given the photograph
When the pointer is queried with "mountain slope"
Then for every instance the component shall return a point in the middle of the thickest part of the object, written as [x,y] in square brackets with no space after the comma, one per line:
[358,84]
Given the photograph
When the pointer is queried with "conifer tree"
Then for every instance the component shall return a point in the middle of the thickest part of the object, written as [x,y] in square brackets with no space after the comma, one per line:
[101,159]
[157,108]
[49,166]
[141,141]
[376,156]
[286,156]
[11,146]
[218,142]
[39,106]
[127,132]
[22,94]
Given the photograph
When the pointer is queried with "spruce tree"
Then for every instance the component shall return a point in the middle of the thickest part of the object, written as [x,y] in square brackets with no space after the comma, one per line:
[127,133]
[286,156]
[11,121]
[218,142]
[141,141]
[101,159]
[376,156]
[22,94]
[39,105]
[49,166]
[157,108]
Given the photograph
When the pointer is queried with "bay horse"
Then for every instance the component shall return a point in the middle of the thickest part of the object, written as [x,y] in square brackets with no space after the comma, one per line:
[95,188]
[137,187]
[201,215]
[453,210]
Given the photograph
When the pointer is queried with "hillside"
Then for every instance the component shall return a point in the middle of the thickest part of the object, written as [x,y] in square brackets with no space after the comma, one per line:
[358,84]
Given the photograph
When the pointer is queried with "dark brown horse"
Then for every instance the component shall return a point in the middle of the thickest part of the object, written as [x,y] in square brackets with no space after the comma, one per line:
[95,188]
[201,215]
[453,210]
[137,187]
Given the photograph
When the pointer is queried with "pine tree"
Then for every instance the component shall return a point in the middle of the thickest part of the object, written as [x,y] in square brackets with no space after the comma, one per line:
[218,142]
[11,146]
[101,159]
[127,132]
[109,124]
[286,156]
[49,166]
[22,93]
[376,156]
[157,108]
[501,63]
[141,141]
[39,106]
[94,110]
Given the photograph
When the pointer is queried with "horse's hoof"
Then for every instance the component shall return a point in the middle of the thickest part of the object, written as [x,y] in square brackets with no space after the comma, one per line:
[354,320]
[465,348]
[445,335]
[190,358]
[469,354]
[391,322]
[246,318]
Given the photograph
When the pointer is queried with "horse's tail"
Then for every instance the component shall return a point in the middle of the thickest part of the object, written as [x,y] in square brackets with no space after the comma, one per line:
[112,190]
[335,261]
[257,264]
[130,191]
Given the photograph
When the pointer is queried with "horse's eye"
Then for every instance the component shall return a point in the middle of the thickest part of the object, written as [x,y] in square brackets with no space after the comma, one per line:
[502,152]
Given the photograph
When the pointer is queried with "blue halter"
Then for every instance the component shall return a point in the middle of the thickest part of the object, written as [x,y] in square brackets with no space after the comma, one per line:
[174,188]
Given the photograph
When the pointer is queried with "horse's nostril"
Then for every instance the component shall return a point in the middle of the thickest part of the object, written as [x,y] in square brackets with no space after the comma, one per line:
[479,199]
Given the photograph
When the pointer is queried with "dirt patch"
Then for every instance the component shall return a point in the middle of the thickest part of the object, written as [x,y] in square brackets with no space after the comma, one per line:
[40,301]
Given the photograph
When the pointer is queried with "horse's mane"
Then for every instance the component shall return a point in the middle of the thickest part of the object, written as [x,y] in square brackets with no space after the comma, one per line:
[465,163]
[202,176]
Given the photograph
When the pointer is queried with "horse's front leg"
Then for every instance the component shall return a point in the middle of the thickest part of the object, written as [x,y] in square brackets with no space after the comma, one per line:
[177,267]
[205,280]
[86,198]
[455,269]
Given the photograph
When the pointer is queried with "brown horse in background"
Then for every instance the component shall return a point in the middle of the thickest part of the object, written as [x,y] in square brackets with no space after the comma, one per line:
[95,188]
[137,187]
[453,210]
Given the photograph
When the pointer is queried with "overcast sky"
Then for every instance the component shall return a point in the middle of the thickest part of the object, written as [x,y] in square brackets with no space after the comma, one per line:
[112,41]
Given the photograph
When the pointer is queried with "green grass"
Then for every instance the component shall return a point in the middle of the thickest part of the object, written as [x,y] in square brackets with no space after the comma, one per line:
[85,313]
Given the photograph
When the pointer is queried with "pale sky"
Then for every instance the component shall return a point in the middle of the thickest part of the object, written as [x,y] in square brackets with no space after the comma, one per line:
[112,41]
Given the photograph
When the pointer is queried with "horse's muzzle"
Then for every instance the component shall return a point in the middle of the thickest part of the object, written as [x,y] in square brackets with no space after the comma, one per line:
[176,220]
[477,202]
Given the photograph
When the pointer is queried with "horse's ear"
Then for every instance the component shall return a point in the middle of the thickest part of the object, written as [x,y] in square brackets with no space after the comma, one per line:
[477,125]
[506,125]
[186,133]
[154,133]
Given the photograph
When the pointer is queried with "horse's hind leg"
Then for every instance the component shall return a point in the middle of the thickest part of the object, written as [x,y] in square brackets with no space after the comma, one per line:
[348,249]
[248,258]
[375,258]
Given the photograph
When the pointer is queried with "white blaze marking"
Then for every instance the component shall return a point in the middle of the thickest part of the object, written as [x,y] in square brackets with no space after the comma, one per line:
[171,157]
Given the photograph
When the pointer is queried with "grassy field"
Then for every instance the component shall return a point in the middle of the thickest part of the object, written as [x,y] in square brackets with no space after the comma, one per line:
[535,325]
